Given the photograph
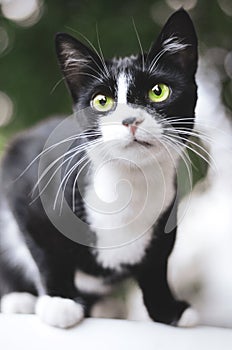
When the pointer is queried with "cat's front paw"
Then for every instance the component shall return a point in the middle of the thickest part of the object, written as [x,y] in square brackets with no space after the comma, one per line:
[183,315]
[59,312]
[189,318]
[18,303]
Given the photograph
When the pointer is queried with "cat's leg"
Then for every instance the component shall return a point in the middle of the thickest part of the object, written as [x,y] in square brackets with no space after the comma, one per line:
[17,270]
[159,301]
[71,301]
[17,287]
[61,305]
[158,298]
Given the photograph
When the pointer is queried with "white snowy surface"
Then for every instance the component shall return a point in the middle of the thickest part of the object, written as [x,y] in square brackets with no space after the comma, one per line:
[23,332]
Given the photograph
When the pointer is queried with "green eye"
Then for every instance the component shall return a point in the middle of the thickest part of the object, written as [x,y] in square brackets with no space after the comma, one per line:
[159,93]
[102,103]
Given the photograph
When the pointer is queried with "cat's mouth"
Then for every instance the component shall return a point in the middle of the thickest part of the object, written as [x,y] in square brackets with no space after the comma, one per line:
[143,143]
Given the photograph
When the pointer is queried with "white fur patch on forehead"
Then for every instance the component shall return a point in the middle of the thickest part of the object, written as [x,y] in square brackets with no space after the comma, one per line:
[123,84]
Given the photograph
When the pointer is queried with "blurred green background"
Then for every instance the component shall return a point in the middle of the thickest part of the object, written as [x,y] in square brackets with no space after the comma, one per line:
[29,74]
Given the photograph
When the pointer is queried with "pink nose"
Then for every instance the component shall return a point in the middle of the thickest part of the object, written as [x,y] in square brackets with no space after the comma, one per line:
[131,123]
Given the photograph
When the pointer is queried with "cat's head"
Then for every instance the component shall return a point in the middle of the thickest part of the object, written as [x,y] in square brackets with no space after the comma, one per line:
[140,102]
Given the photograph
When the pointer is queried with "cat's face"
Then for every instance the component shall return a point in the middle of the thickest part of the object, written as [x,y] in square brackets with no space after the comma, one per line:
[138,103]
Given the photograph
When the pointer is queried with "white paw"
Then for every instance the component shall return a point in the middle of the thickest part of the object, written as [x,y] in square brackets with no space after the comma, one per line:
[189,318]
[18,303]
[59,312]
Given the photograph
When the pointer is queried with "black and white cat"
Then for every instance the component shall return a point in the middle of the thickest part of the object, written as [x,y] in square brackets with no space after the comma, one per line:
[129,128]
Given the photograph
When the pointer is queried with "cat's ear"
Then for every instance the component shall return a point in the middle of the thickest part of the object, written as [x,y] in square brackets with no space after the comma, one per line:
[177,40]
[76,61]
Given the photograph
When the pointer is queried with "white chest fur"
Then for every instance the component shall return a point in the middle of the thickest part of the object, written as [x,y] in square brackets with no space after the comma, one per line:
[123,204]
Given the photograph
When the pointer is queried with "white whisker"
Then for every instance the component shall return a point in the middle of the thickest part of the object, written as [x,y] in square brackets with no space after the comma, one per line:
[70,171]
[140,45]
[101,53]
[86,74]
[177,148]
[74,185]
[203,137]
[66,179]
[76,151]
[104,72]
[191,149]
[200,147]
[171,46]
[50,148]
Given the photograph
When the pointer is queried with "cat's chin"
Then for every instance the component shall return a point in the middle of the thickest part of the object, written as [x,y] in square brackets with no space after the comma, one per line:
[139,152]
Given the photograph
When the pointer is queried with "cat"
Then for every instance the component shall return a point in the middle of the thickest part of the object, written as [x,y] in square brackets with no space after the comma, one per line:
[117,180]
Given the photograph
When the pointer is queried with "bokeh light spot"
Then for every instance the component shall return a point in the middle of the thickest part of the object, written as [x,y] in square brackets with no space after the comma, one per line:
[6,109]
[226,6]
[228,64]
[24,12]
[216,55]
[4,40]
[186,4]
[159,12]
